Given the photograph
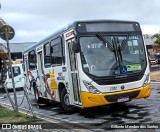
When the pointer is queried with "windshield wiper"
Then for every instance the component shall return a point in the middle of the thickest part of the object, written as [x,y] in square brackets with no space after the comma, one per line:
[109,45]
[123,44]
[116,47]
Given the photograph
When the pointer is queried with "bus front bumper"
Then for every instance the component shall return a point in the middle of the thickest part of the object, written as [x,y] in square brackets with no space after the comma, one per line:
[92,100]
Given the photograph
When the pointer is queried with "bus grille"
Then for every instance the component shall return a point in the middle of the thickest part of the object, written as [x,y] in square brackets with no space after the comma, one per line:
[114,98]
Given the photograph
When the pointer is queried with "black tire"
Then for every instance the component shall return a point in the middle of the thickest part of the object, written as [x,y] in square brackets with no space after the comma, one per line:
[65,102]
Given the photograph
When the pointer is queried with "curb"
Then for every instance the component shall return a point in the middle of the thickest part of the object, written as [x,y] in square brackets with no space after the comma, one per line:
[66,125]
[155,81]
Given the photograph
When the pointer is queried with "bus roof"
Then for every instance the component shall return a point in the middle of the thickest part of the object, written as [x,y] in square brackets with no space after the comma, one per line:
[72,25]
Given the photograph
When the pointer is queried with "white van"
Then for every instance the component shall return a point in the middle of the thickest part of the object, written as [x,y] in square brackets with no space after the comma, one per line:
[18,77]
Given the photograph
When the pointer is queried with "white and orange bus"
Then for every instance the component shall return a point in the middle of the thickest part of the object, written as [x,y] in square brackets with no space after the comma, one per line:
[90,63]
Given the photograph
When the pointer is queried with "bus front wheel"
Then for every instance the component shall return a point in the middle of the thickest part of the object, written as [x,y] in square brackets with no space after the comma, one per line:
[65,101]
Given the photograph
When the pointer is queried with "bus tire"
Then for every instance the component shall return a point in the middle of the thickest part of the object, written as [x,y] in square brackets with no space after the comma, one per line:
[65,101]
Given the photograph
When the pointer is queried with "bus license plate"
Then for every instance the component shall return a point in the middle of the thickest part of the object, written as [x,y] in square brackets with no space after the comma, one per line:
[124,99]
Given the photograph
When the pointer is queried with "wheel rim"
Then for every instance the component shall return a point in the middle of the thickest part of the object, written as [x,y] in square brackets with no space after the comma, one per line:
[66,100]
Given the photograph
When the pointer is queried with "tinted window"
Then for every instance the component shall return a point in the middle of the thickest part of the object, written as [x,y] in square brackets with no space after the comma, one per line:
[32,60]
[100,60]
[47,55]
[56,52]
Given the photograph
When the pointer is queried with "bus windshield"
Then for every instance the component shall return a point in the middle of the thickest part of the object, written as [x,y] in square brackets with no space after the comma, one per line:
[112,55]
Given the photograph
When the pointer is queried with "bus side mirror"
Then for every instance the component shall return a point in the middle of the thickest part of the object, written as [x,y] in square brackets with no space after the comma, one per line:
[75,47]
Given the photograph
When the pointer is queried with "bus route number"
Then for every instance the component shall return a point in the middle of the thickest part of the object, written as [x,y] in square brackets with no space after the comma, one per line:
[113,88]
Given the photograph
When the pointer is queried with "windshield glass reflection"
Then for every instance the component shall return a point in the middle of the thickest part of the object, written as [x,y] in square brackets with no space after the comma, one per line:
[99,59]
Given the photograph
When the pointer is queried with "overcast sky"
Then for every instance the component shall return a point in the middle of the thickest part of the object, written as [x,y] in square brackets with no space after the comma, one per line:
[35,19]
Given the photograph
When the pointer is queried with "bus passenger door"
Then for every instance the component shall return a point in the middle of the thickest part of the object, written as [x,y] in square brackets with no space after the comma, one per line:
[74,79]
[39,80]
[26,76]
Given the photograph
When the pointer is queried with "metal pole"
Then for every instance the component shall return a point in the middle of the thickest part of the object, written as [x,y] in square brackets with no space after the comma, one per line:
[26,93]
[7,33]
[13,83]
[9,97]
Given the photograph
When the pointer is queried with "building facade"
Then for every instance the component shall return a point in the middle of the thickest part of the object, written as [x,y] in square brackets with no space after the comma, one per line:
[16,49]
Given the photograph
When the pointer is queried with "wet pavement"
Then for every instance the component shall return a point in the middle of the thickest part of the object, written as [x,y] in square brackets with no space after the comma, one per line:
[137,111]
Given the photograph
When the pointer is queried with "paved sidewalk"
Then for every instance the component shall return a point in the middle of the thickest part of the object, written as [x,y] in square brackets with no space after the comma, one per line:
[155,76]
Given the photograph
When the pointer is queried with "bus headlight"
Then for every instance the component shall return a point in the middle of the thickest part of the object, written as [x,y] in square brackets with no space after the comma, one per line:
[91,88]
[146,81]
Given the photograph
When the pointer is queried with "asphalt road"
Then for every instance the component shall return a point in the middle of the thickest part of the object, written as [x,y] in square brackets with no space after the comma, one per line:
[137,111]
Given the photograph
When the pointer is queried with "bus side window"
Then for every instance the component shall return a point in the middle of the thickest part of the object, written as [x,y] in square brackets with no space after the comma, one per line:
[47,55]
[32,60]
[56,52]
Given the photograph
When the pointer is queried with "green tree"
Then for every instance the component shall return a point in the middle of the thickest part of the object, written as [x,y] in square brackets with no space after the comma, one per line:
[156,37]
